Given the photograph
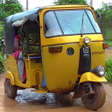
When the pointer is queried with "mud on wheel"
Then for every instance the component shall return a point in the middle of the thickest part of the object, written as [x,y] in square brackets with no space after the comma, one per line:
[10,90]
[96,100]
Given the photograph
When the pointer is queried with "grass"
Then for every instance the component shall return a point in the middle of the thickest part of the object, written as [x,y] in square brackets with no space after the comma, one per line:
[108,34]
[108,66]
[108,63]
[1,62]
[109,42]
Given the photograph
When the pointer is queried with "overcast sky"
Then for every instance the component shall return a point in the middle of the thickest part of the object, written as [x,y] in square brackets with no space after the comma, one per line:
[36,3]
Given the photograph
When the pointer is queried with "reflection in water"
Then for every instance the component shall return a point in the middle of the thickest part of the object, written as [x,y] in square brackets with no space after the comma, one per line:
[27,100]
[27,95]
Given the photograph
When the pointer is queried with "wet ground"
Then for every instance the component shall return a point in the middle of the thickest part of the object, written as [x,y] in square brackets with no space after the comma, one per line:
[27,101]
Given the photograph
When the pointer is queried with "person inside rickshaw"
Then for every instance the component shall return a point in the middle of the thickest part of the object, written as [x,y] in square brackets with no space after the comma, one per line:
[18,55]
[27,41]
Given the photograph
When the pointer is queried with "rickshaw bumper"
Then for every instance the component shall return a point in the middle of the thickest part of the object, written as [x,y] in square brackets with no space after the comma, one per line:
[91,77]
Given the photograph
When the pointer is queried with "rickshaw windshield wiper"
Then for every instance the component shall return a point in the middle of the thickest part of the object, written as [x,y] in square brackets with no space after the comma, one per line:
[82,25]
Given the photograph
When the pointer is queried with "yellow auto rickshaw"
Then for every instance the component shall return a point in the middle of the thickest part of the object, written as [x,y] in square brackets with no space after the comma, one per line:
[63,50]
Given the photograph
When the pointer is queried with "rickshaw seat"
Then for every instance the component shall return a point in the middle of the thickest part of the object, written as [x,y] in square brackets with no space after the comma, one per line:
[36,57]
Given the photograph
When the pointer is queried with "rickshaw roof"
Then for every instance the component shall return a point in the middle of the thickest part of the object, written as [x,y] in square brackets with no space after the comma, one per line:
[21,15]
[28,13]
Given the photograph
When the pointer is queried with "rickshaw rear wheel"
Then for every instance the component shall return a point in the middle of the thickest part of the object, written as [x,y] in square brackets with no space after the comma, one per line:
[11,90]
[5,86]
[96,100]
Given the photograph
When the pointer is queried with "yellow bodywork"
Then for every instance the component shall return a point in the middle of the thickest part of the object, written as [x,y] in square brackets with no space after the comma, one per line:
[34,72]
[10,76]
[60,69]
[91,77]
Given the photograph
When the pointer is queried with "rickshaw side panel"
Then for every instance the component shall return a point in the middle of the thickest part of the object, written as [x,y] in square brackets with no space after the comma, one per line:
[11,64]
[31,68]
[34,68]
[60,68]
[97,54]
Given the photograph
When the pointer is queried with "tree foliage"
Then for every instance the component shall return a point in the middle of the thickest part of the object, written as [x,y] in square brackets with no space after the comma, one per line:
[106,20]
[9,7]
[1,28]
[71,2]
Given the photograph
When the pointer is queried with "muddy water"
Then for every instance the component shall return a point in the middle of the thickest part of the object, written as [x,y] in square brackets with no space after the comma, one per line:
[28,101]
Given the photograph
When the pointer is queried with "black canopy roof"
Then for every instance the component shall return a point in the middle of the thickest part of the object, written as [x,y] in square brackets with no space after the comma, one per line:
[9,28]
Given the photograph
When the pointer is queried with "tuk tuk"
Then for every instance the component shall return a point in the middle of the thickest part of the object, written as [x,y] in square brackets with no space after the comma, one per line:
[63,50]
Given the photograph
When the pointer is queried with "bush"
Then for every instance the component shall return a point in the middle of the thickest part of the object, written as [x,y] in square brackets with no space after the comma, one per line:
[1,62]
[106,21]
[1,57]
[109,42]
[109,69]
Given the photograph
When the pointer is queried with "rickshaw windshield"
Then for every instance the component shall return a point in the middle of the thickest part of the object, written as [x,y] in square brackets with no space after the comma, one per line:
[70,22]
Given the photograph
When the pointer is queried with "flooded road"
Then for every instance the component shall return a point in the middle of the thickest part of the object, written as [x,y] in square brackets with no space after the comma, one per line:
[27,101]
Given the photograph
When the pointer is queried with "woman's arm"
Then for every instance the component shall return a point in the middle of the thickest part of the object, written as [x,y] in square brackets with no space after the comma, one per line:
[17,44]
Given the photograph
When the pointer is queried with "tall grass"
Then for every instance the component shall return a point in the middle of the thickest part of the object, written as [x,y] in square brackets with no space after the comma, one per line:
[109,69]
[108,34]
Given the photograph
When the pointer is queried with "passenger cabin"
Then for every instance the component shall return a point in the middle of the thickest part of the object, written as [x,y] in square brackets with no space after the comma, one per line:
[26,24]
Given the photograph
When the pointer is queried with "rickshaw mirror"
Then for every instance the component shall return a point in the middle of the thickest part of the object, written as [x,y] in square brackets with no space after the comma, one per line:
[98,15]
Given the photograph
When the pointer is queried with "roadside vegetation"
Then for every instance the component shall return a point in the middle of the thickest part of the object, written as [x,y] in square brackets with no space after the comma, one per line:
[106,27]
[7,8]
[109,69]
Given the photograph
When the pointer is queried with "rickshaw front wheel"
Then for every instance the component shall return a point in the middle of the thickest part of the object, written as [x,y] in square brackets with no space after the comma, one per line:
[11,90]
[96,100]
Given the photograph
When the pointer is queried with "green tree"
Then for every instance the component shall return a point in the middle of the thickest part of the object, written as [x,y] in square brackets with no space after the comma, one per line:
[1,28]
[9,7]
[106,20]
[71,2]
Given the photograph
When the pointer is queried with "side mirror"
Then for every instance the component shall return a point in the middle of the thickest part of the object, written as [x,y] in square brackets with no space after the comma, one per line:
[98,15]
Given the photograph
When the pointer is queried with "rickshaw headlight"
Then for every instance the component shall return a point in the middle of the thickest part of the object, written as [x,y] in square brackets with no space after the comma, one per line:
[100,71]
[86,40]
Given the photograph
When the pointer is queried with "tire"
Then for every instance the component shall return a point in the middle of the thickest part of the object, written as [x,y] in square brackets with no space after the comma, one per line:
[96,100]
[11,90]
[5,86]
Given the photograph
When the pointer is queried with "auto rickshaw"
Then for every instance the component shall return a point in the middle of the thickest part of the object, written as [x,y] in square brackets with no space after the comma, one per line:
[63,51]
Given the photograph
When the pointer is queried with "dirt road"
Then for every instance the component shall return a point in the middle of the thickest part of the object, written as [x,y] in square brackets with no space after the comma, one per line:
[27,101]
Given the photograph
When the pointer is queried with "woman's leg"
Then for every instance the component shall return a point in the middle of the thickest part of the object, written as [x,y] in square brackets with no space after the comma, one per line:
[21,67]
